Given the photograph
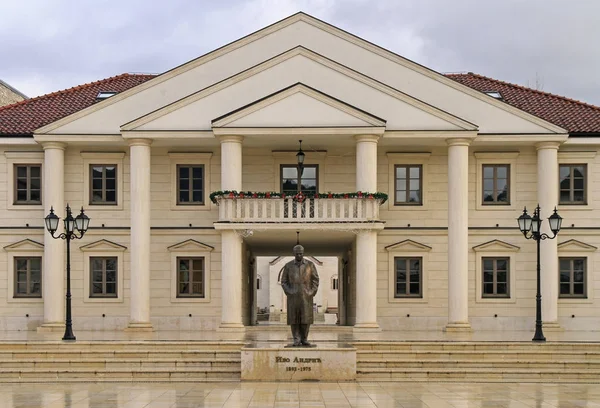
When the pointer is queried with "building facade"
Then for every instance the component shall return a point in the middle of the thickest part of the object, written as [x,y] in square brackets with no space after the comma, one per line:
[411,178]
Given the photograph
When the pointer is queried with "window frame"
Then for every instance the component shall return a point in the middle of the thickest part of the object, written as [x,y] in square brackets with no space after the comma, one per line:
[190,249]
[571,294]
[496,249]
[299,177]
[586,158]
[103,159]
[510,159]
[407,260]
[410,158]
[407,167]
[495,167]
[572,185]
[190,167]
[23,159]
[335,282]
[27,295]
[91,201]
[104,295]
[28,167]
[495,260]
[103,249]
[408,249]
[190,159]
[192,260]
[23,249]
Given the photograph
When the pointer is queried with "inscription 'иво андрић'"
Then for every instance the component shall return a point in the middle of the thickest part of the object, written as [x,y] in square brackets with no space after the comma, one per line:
[279,359]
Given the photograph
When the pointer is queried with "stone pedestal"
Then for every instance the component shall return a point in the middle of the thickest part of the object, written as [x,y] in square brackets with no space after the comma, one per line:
[280,363]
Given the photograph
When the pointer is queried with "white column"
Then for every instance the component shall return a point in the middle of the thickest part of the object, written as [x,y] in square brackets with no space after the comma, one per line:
[366,241]
[54,249]
[231,242]
[547,155]
[139,319]
[366,280]
[458,235]
[366,163]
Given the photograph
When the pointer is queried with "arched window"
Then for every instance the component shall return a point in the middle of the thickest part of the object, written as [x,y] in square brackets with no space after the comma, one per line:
[258,282]
[335,282]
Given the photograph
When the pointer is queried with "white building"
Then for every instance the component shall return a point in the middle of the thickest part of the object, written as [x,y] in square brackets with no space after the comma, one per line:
[143,154]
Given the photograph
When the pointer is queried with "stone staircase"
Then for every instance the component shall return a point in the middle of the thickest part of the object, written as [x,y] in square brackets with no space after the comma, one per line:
[119,361]
[478,361]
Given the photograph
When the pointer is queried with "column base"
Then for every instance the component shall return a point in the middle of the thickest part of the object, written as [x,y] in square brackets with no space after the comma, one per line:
[231,328]
[54,327]
[366,328]
[552,327]
[458,327]
[139,327]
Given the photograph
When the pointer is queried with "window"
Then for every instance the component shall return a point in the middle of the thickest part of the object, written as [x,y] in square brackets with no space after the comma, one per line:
[409,183]
[104,95]
[28,184]
[258,282]
[495,277]
[572,183]
[572,277]
[190,277]
[103,276]
[308,179]
[494,94]
[408,277]
[190,184]
[103,184]
[28,276]
[496,182]
[335,283]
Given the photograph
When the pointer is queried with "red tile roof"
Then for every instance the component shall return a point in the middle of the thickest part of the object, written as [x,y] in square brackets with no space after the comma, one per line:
[570,114]
[22,118]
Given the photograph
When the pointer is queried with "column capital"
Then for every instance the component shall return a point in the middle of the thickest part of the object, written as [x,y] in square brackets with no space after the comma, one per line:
[54,145]
[231,139]
[459,141]
[139,142]
[547,145]
[366,138]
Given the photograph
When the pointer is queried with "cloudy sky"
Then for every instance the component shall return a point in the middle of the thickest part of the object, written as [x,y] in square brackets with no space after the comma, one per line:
[47,45]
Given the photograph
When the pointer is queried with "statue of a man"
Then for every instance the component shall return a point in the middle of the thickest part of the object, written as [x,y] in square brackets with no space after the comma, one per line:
[300,282]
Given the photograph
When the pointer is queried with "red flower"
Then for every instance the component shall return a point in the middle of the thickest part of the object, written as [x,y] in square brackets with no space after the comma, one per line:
[254,195]
[360,194]
[330,195]
[345,195]
[241,195]
[283,195]
[371,196]
[231,195]
[268,195]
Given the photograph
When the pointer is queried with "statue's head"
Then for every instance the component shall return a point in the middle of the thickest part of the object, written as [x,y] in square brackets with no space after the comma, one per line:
[298,252]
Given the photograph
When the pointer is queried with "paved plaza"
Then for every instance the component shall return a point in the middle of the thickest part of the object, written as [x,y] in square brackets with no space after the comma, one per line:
[366,394]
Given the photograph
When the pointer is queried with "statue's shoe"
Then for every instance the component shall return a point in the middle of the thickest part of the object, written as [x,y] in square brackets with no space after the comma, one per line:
[296,344]
[305,343]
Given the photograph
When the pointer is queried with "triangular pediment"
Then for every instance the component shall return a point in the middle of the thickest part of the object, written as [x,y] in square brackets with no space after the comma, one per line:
[496,246]
[103,245]
[245,54]
[574,245]
[190,245]
[26,245]
[299,106]
[408,245]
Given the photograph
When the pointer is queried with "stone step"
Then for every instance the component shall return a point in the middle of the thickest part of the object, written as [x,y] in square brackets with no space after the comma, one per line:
[496,364]
[475,355]
[145,346]
[479,375]
[147,355]
[70,375]
[473,346]
[208,364]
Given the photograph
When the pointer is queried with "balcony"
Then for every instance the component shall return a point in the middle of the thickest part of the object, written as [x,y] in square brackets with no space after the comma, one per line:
[244,209]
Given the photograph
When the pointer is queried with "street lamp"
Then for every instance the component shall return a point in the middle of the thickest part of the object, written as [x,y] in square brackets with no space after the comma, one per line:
[531,228]
[81,224]
[300,157]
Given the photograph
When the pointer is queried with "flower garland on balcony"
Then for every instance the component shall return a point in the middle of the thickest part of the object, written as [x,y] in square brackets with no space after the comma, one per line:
[300,197]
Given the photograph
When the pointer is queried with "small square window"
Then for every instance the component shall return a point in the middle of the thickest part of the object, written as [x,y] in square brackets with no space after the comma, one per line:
[496,184]
[495,279]
[572,184]
[408,180]
[572,277]
[28,277]
[103,184]
[309,179]
[190,277]
[27,184]
[103,277]
[190,184]
[408,277]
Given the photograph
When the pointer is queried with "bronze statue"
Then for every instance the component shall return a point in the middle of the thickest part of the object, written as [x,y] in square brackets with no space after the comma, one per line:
[300,282]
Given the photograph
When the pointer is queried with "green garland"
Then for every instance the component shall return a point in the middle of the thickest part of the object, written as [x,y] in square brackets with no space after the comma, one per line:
[273,194]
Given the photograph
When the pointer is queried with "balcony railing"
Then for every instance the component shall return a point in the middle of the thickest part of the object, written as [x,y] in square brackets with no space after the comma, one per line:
[293,211]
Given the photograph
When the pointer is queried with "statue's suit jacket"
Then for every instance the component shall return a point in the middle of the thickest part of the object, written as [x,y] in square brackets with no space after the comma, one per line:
[300,282]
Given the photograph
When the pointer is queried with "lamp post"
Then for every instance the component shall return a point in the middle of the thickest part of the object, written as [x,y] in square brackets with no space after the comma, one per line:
[531,228]
[79,223]
[300,157]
